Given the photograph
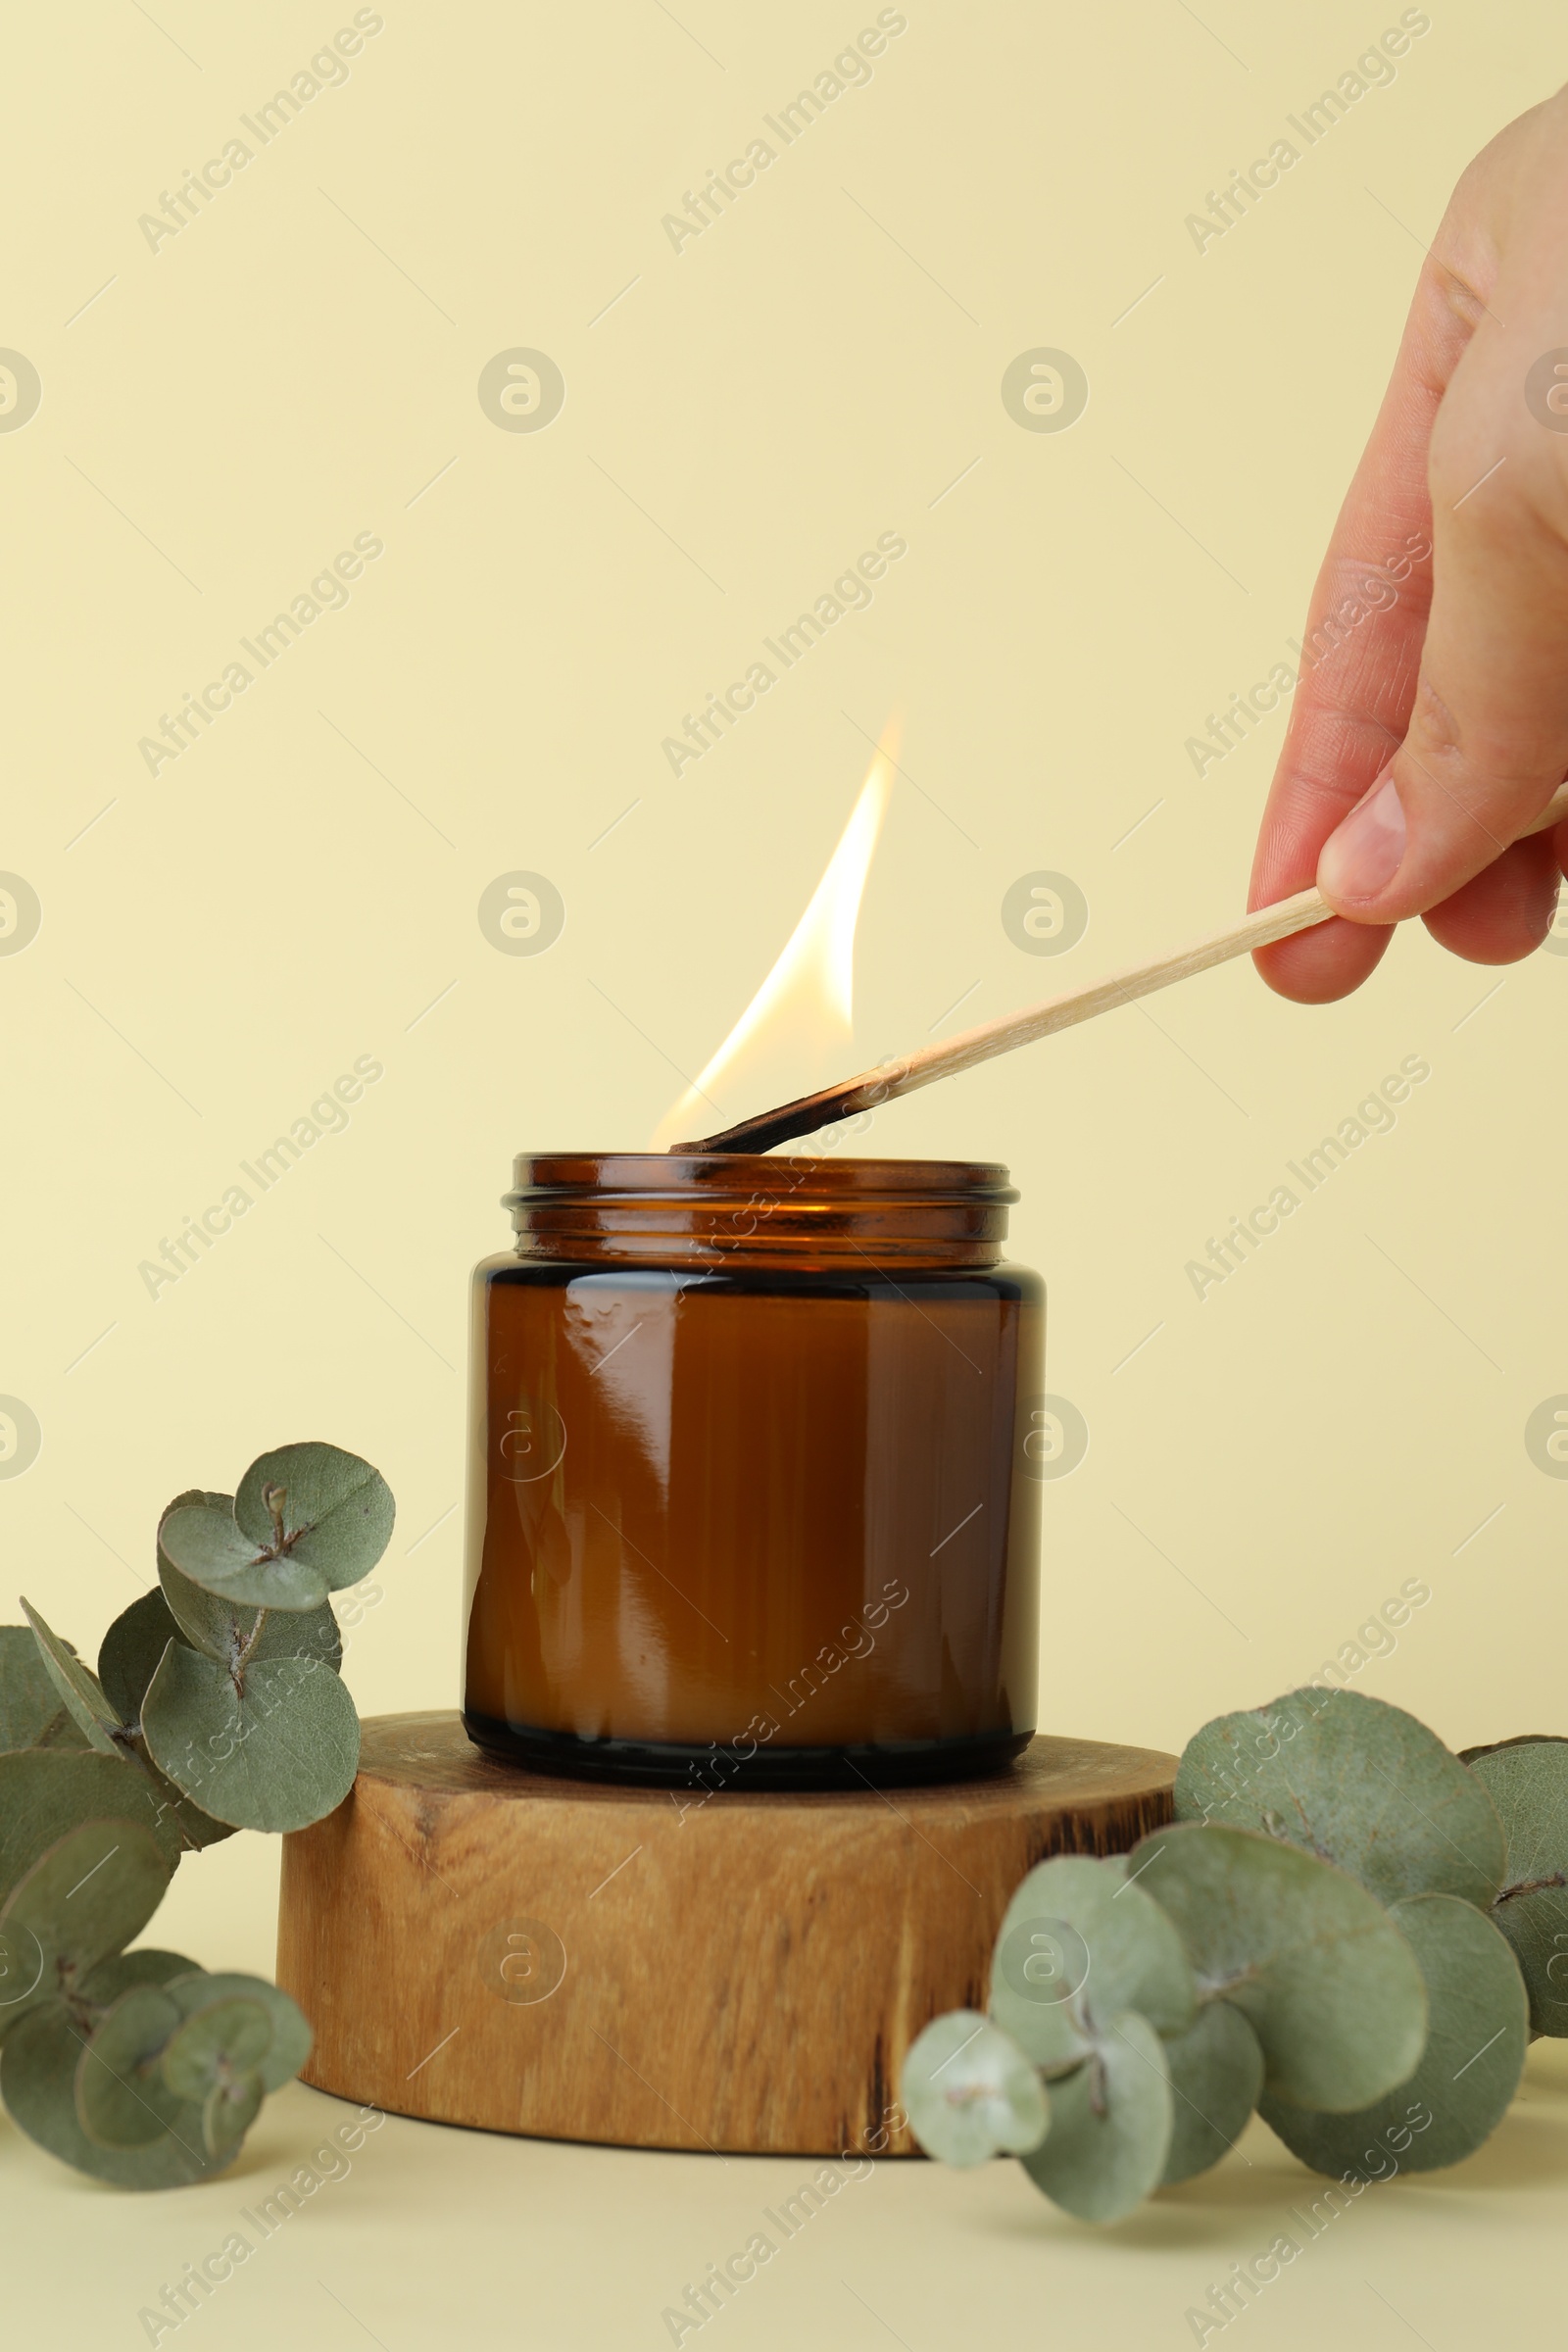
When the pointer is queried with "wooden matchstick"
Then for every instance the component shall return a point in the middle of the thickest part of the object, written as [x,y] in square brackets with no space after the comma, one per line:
[872,1088]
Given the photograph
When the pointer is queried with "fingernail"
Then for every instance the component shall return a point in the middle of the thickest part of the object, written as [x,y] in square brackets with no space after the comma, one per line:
[1365,853]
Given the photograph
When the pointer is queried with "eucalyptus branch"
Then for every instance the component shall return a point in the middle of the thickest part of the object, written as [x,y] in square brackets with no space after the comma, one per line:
[138,2067]
[1340,1939]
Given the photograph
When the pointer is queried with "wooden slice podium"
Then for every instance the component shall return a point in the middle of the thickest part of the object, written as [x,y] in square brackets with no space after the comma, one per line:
[581,1960]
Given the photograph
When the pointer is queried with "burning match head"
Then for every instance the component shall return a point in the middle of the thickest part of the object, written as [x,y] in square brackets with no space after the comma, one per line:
[770,1128]
[850,1099]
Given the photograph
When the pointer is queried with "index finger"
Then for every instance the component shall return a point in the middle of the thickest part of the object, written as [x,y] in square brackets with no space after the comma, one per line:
[1361,649]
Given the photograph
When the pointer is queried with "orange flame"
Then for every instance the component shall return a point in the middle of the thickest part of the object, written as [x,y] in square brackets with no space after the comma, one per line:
[803,1009]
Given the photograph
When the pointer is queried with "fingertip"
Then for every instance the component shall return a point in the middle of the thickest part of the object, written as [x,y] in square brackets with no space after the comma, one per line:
[1323,964]
[1501,915]
[1559,846]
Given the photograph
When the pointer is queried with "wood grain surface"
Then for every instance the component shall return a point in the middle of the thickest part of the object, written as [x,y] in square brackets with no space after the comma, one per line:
[577,1960]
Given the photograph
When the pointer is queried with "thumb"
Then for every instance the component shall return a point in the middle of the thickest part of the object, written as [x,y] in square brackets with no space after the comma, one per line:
[1487,740]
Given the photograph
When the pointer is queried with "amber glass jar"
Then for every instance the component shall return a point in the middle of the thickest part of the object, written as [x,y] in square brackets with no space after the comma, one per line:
[749,1502]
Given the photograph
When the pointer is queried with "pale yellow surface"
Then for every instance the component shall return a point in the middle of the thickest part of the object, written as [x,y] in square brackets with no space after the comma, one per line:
[300,888]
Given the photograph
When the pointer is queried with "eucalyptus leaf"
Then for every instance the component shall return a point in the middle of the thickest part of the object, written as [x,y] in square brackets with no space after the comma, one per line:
[62,1728]
[299,1634]
[1528,1782]
[207,1621]
[218,1705]
[228,2112]
[1323,1976]
[224,2039]
[38,2062]
[178,1822]
[1110,2125]
[130,1651]
[1217,2076]
[1469,2070]
[1353,1781]
[217,1502]
[205,1618]
[79,1690]
[214,2057]
[1080,1944]
[1489,1747]
[45,1792]
[144,1966]
[970,2093]
[208,1548]
[194,1829]
[337,1511]
[29,1698]
[193,1989]
[275,1752]
[226,1630]
[308,1520]
[83,1898]
[123,2098]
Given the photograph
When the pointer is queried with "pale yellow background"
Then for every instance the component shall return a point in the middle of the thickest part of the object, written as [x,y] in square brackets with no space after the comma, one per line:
[299,365]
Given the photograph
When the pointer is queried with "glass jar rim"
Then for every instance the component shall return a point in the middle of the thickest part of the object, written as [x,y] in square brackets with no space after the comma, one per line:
[742,1206]
[649,1173]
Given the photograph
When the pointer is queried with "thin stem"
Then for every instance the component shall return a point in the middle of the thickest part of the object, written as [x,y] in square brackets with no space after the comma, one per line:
[275,1499]
[1557,1878]
[243,1654]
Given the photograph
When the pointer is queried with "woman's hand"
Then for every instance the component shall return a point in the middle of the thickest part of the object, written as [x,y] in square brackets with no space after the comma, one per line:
[1435,725]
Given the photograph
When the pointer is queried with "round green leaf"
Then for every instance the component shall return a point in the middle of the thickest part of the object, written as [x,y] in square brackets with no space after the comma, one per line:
[177,1824]
[61,1730]
[204,1618]
[45,1792]
[217,1502]
[275,1754]
[38,2064]
[194,1989]
[208,1620]
[194,1829]
[1528,1782]
[336,1511]
[1110,2125]
[1217,2076]
[228,2112]
[144,1966]
[1080,1944]
[299,1634]
[203,1546]
[87,1896]
[222,1628]
[229,1631]
[123,2101]
[1353,1781]
[214,2057]
[1469,2070]
[131,1649]
[1489,1747]
[79,1690]
[1315,1963]
[216,2044]
[970,2093]
[207,1548]
[29,1698]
